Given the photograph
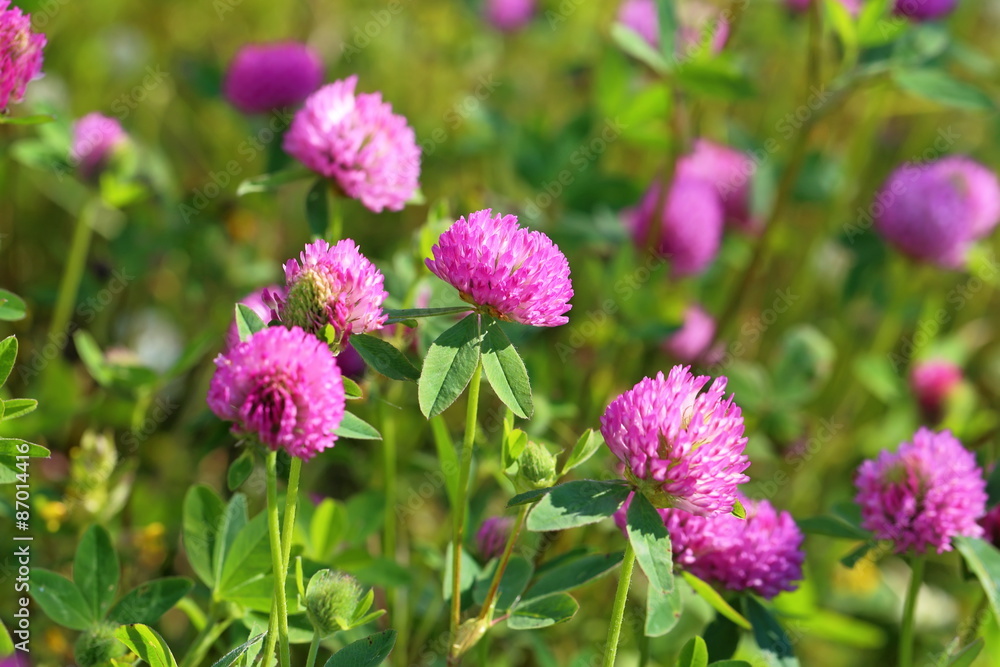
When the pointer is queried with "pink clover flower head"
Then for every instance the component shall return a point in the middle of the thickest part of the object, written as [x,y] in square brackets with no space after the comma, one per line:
[730,172]
[260,302]
[925,10]
[507,271]
[264,77]
[20,54]
[690,223]
[492,536]
[681,447]
[334,285]
[922,495]
[359,143]
[510,15]
[95,138]
[932,382]
[282,387]
[935,212]
[990,523]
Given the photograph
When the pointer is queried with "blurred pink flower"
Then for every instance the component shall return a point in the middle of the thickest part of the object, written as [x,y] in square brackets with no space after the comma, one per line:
[510,15]
[692,342]
[357,142]
[931,383]
[923,494]
[730,172]
[282,387]
[20,53]
[680,447]
[695,20]
[509,271]
[263,77]
[934,212]
[925,10]
[95,138]
[690,222]
[492,536]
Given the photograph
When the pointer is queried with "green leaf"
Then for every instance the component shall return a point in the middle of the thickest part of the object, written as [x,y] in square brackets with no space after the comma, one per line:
[667,16]
[543,612]
[528,497]
[470,571]
[92,357]
[448,457]
[831,527]
[352,390]
[694,653]
[875,26]
[851,559]
[712,597]
[738,510]
[573,573]
[663,611]
[203,511]
[984,561]
[17,407]
[649,538]
[367,652]
[37,119]
[356,428]
[585,447]
[505,370]
[723,638]
[717,78]
[730,663]
[6,643]
[247,321]
[266,182]
[512,584]
[967,655]
[228,659]
[770,636]
[384,358]
[234,520]
[249,555]
[145,642]
[402,315]
[8,355]
[327,528]
[939,86]
[633,44]
[449,365]
[61,600]
[12,307]
[16,447]
[577,504]
[239,470]
[513,446]
[149,601]
[96,570]
[318,207]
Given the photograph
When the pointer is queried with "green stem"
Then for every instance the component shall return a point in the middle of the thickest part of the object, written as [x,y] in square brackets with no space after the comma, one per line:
[465,466]
[291,505]
[193,612]
[335,226]
[277,561]
[504,560]
[69,286]
[209,634]
[618,611]
[313,650]
[906,636]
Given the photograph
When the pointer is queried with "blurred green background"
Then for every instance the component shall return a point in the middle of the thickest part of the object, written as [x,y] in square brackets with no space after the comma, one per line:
[499,117]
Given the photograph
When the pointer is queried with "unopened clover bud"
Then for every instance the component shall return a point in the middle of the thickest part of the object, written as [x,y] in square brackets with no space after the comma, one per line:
[332,601]
[537,466]
[97,646]
[469,634]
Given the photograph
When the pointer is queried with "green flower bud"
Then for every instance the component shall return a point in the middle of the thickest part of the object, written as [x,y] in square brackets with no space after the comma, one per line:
[537,466]
[305,305]
[333,601]
[96,647]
